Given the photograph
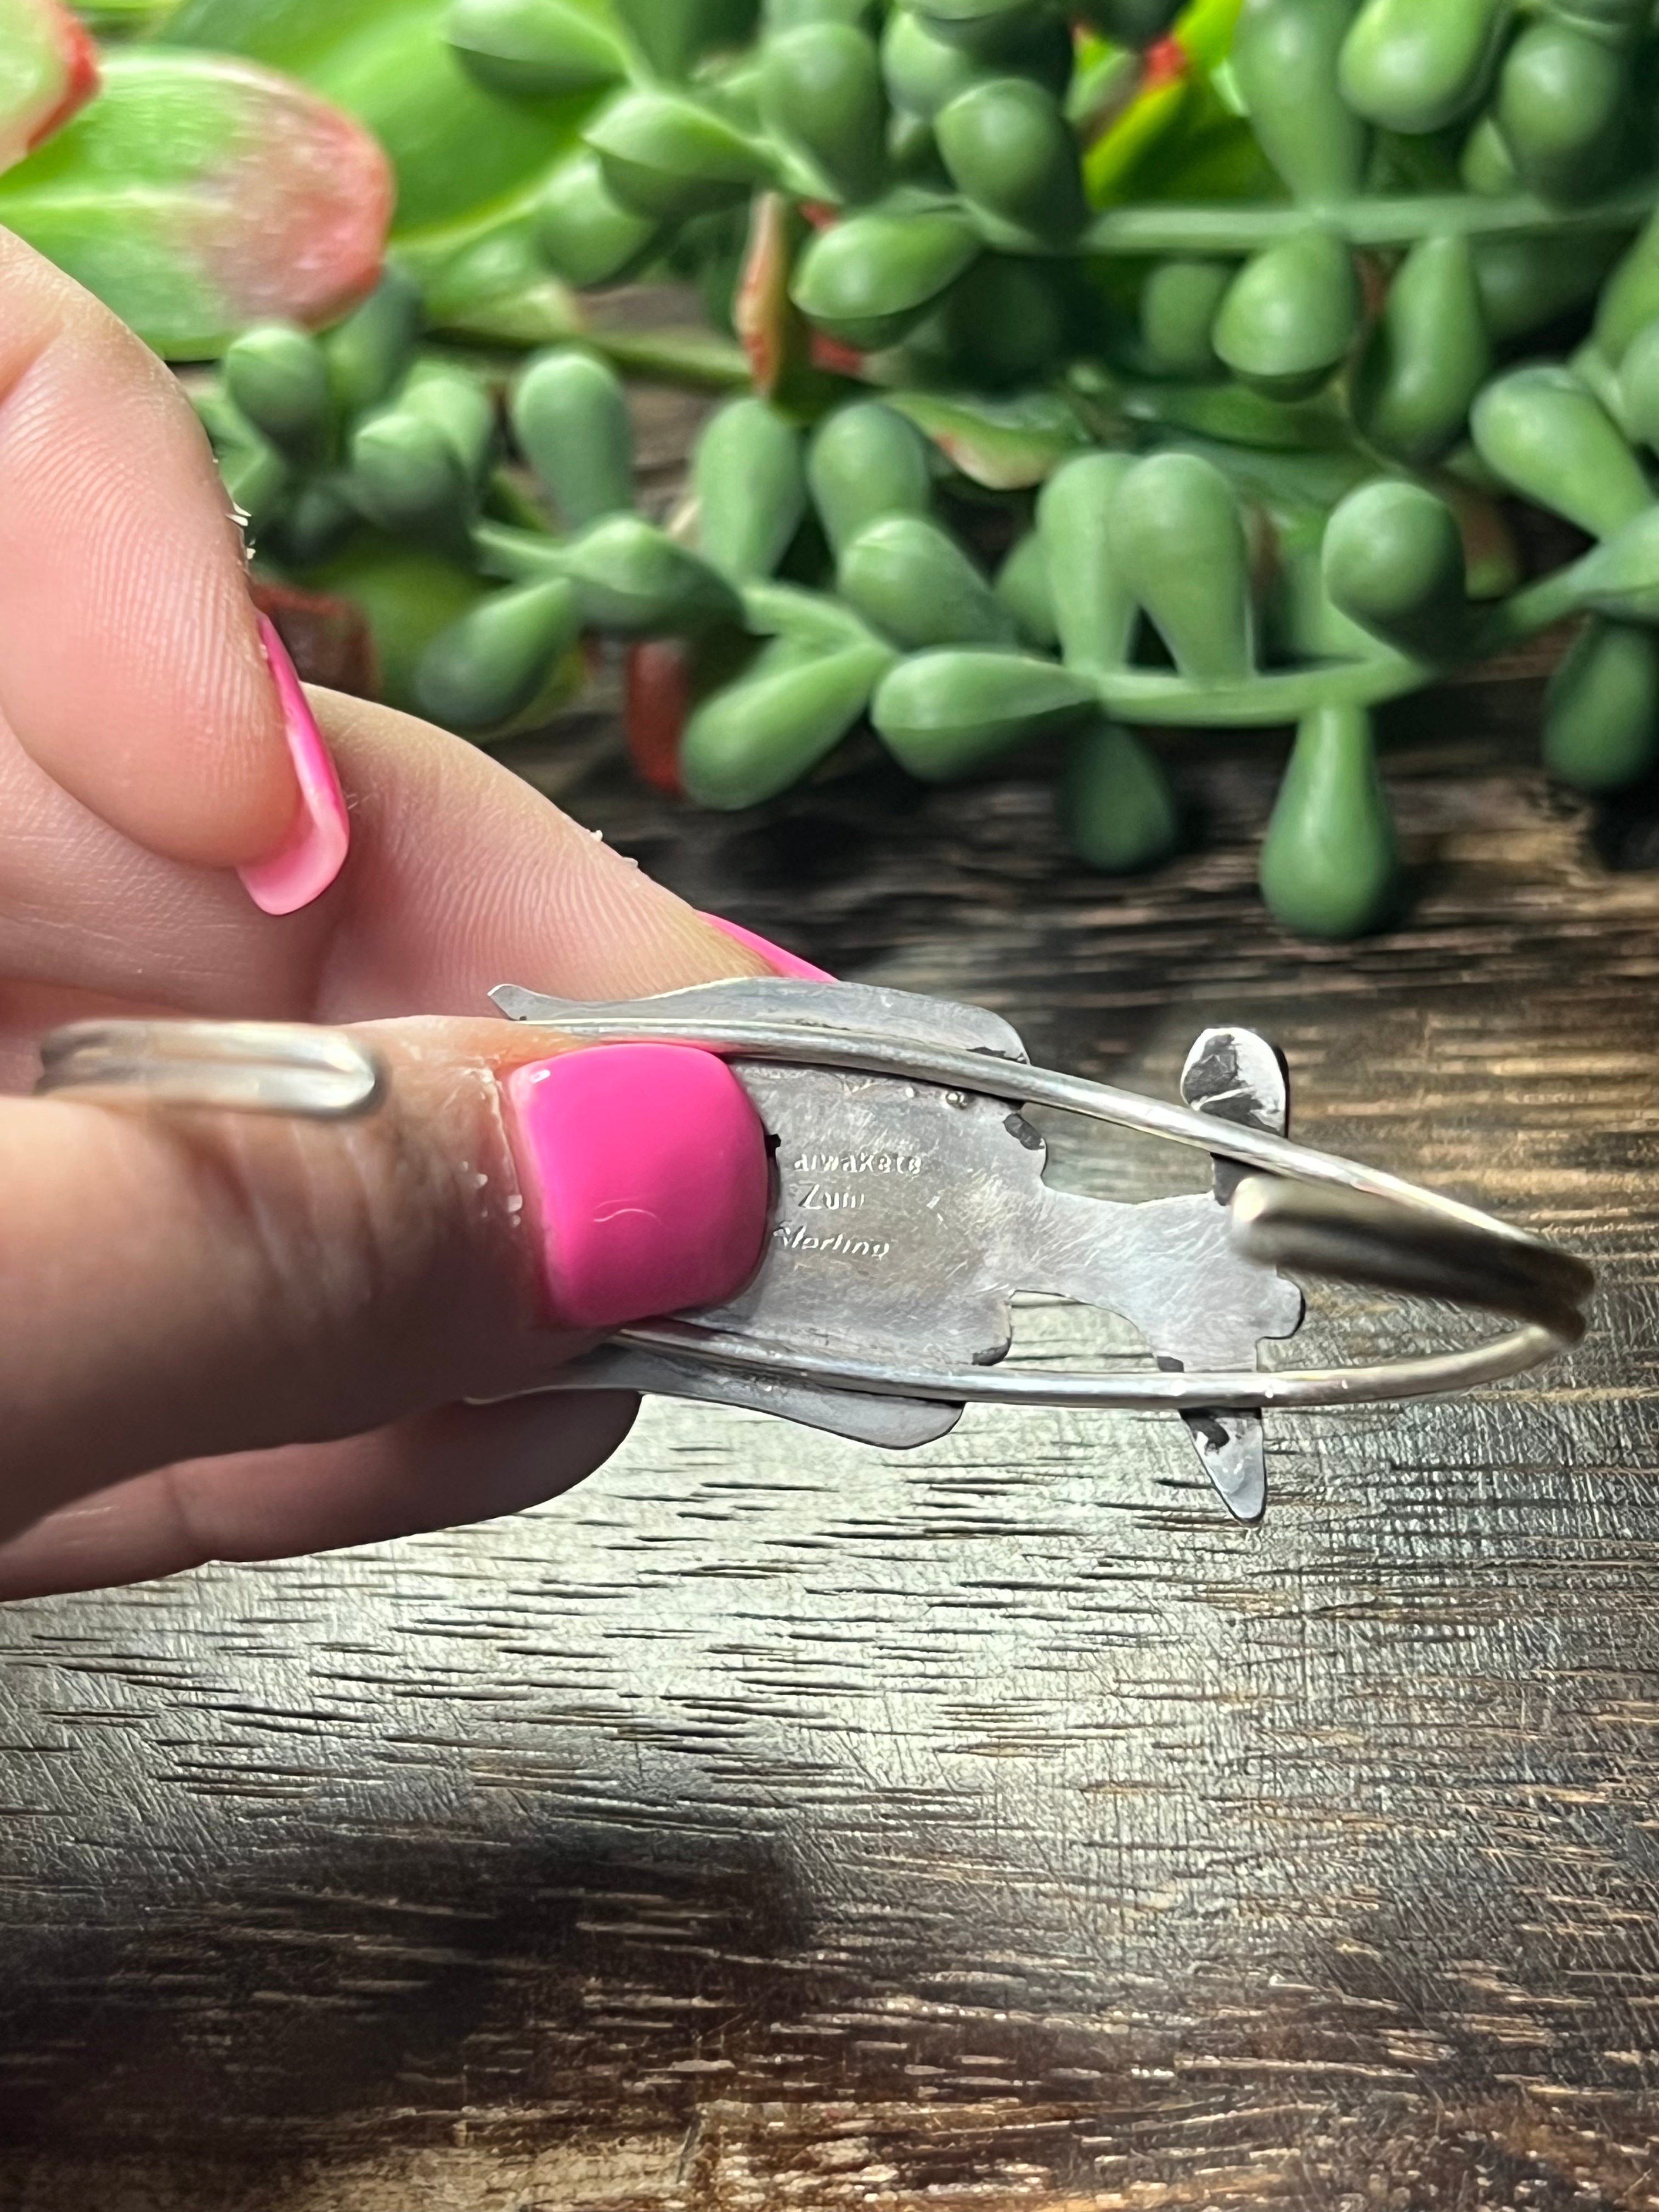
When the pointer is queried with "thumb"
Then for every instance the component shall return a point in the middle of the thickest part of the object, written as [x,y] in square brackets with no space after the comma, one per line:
[177,1282]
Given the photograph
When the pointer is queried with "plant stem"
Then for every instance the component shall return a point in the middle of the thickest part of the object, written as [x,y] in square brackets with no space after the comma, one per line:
[1524,613]
[517,556]
[1238,229]
[1128,694]
[1146,695]
[774,609]
[685,358]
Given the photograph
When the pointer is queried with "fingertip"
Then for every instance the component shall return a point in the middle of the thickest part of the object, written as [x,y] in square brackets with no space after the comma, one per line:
[131,664]
[527,895]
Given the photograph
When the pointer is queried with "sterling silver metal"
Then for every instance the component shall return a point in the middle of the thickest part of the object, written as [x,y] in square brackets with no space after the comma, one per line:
[910,1207]
[910,1210]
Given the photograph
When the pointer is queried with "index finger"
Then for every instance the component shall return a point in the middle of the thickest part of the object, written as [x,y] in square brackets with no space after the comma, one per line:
[131,666]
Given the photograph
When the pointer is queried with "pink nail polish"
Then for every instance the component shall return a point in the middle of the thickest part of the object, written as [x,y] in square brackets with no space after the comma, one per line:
[649,1179]
[316,848]
[783,963]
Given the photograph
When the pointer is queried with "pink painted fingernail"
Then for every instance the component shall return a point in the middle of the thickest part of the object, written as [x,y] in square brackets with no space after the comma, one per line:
[783,963]
[316,848]
[648,1178]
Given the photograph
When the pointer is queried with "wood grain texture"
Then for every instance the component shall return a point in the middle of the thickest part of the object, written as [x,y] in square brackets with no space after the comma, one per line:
[775,1823]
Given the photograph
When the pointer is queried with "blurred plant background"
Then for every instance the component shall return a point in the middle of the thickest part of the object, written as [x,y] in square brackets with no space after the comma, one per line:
[1076,372]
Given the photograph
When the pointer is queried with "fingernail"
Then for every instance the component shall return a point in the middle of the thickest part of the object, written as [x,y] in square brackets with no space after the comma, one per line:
[646,1170]
[316,847]
[782,962]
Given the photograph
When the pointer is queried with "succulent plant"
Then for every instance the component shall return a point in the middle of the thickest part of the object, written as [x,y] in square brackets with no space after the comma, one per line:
[1146,369]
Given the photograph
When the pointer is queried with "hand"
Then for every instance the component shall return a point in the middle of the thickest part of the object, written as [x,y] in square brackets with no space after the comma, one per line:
[230,1336]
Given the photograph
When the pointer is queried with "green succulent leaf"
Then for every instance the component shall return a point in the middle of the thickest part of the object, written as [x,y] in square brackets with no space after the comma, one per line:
[1393,561]
[1542,432]
[1114,801]
[865,461]
[763,733]
[536,46]
[487,666]
[467,158]
[1416,66]
[911,580]
[1329,864]
[635,579]
[198,193]
[569,414]
[1602,710]
[748,474]
[669,156]
[1175,535]
[1004,444]
[870,279]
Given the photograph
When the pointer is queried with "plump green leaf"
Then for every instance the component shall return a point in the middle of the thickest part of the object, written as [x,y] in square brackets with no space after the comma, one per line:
[1011,153]
[1329,864]
[821,90]
[197,194]
[911,580]
[868,280]
[1285,61]
[1005,445]
[536,46]
[668,156]
[461,154]
[1621,578]
[945,714]
[1428,355]
[633,578]
[408,594]
[487,666]
[1115,802]
[1544,433]
[1602,710]
[757,736]
[569,413]
[1176,537]
[748,474]
[1416,66]
[867,460]
[1290,315]
[1393,561]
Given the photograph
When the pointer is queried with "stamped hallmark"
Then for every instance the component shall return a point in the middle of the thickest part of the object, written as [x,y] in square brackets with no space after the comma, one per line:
[791,1236]
[858,1163]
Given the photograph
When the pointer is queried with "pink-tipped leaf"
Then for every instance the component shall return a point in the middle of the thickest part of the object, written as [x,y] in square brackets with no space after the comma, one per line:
[198,193]
[48,69]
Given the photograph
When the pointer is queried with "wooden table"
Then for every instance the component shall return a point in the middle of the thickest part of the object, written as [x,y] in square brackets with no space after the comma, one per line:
[775,1823]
